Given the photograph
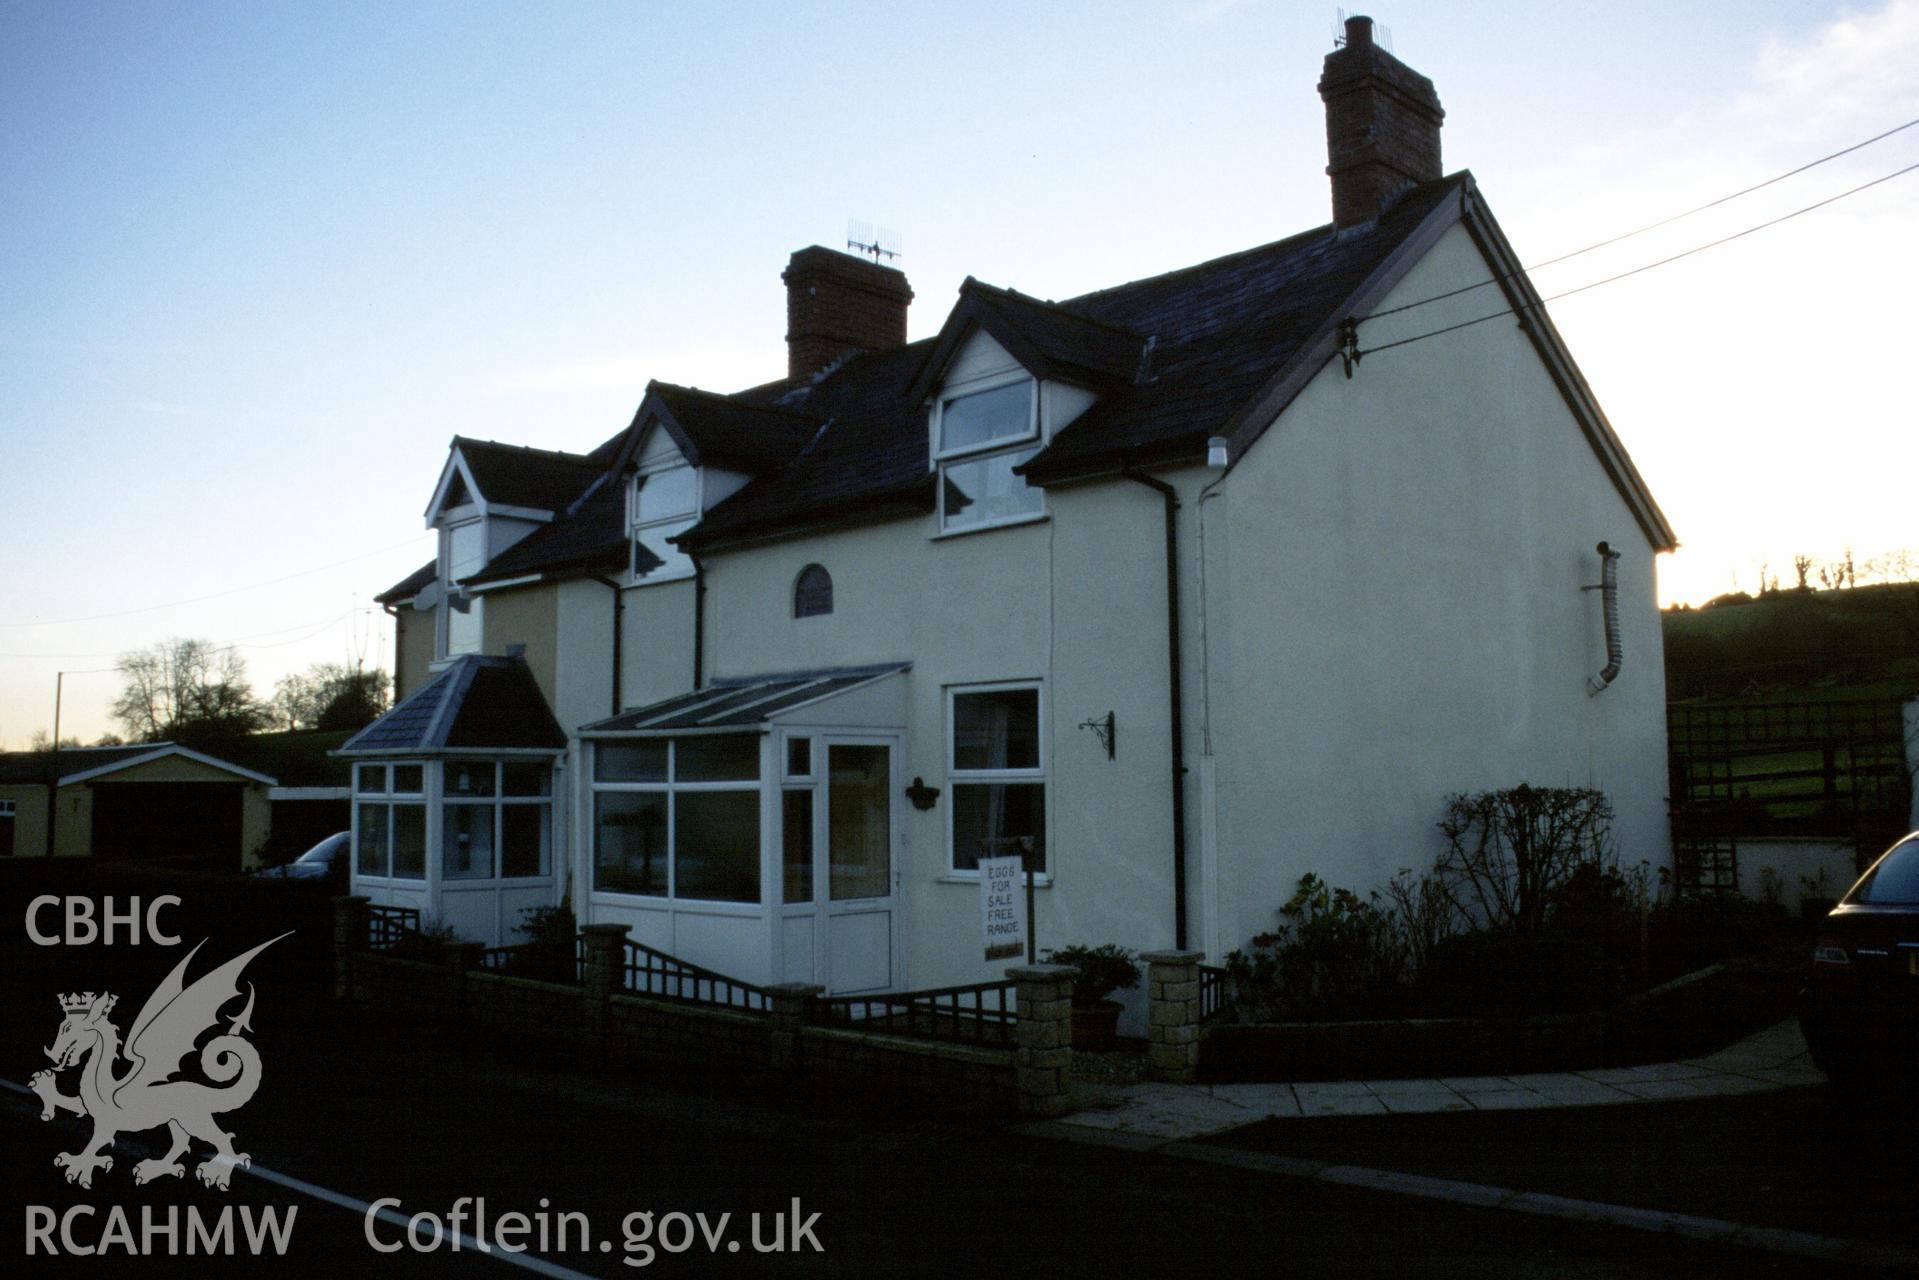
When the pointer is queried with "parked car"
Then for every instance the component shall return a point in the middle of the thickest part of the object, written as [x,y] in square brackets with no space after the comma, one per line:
[1860,1005]
[326,860]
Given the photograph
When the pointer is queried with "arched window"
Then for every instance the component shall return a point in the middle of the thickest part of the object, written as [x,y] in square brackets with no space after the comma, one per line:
[812,592]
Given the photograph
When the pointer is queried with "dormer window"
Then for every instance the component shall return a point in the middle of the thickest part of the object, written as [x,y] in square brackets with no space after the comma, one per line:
[663,503]
[462,554]
[979,435]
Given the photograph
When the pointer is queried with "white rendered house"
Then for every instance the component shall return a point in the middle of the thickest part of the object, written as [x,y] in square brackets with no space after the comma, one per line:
[1188,587]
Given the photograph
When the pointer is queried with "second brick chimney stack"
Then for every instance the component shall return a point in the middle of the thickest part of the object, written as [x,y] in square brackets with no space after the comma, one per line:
[837,304]
[1382,125]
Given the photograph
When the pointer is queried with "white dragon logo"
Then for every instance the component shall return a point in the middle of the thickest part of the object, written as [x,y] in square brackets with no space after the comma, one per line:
[146,1096]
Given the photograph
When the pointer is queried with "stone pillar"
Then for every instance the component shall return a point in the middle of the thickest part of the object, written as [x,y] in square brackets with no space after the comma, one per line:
[788,1009]
[1172,1015]
[1043,1035]
[604,975]
[349,936]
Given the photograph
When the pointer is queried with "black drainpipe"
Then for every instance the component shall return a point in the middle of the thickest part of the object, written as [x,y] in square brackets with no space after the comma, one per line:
[399,659]
[619,608]
[1171,498]
[699,620]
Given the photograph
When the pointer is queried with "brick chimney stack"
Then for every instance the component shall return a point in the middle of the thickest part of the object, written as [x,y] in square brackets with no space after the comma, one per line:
[837,304]
[1382,126]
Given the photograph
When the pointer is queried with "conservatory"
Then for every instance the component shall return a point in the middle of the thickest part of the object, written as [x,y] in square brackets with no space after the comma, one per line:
[752,827]
[454,809]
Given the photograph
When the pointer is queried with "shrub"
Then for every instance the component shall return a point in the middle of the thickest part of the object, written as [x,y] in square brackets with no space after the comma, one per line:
[549,947]
[1335,954]
[1510,853]
[1102,970]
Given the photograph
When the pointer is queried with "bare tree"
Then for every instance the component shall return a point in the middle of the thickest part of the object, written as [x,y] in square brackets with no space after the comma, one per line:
[1802,570]
[186,688]
[1509,852]
[331,695]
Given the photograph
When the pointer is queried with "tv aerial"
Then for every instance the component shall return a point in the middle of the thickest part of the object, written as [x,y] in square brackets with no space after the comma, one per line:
[875,242]
[1382,34]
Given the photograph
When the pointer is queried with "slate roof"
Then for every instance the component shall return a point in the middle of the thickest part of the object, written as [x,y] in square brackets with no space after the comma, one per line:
[724,431]
[1048,338]
[1218,332]
[31,766]
[1175,359]
[17,767]
[739,703]
[411,585]
[476,703]
[516,476]
[589,538]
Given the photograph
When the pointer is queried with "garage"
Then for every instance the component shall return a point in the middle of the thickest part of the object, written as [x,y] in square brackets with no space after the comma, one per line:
[146,801]
[168,820]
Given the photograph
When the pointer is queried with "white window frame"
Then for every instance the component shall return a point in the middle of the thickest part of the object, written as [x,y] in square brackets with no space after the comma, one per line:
[388,800]
[672,788]
[957,777]
[497,802]
[449,585]
[635,527]
[939,456]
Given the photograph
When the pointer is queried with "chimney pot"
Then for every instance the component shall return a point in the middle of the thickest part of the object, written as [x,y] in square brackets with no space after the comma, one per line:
[1359,30]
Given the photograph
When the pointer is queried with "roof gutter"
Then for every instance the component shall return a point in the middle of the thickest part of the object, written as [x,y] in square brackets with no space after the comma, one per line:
[1170,497]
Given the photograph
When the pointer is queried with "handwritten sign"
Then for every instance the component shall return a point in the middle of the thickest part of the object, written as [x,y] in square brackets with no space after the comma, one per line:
[1002,909]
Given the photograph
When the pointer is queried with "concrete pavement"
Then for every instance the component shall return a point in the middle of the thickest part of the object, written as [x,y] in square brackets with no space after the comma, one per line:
[1775,1058]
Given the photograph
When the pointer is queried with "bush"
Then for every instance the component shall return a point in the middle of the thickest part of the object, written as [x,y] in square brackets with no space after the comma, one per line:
[1102,970]
[548,951]
[1337,954]
[1491,973]
[1510,853]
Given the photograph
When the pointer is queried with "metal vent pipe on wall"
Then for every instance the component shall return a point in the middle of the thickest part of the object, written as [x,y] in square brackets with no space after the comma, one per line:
[1609,598]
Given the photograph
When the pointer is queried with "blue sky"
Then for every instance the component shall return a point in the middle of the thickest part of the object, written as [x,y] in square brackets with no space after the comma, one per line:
[261,261]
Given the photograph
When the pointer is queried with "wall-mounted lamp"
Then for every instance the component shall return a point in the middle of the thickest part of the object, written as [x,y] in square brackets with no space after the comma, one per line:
[1104,729]
[922,795]
[1216,453]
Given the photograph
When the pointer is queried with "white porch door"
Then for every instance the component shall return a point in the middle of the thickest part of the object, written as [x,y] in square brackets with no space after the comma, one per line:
[855,870]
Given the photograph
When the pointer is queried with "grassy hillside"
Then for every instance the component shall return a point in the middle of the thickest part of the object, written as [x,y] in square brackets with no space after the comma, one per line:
[1858,642]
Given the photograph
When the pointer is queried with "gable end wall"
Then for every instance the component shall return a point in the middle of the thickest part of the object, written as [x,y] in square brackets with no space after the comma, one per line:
[1396,611]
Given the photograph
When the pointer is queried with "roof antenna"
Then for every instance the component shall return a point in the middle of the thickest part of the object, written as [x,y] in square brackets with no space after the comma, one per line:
[1382,35]
[864,237]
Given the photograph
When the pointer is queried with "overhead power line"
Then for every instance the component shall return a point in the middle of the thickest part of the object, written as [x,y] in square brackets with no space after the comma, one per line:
[311,629]
[1653,226]
[1567,293]
[214,595]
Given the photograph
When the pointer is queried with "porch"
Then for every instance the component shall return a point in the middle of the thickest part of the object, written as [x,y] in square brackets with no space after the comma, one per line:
[753,827]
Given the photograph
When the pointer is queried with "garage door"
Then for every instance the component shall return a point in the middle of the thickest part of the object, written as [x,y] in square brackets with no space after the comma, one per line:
[167,819]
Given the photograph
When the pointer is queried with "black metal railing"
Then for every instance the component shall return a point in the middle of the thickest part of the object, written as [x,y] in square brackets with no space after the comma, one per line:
[664,977]
[389,928]
[1213,993]
[982,1013]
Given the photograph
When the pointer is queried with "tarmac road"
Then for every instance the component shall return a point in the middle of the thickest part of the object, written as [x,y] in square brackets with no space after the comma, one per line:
[387,1111]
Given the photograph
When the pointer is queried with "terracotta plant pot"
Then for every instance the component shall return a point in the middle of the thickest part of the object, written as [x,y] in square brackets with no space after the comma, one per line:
[1096,1027]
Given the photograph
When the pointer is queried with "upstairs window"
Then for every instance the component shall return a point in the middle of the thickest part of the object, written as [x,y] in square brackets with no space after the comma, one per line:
[978,438]
[812,592]
[463,555]
[663,504]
